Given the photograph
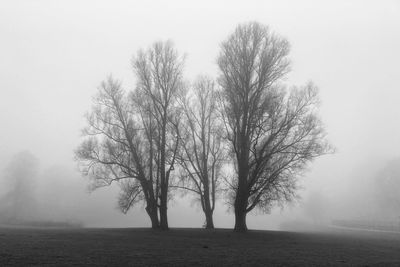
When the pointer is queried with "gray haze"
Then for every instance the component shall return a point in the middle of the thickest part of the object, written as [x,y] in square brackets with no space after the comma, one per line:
[53,55]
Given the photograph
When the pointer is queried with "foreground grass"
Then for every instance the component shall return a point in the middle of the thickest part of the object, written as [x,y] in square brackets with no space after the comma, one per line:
[194,247]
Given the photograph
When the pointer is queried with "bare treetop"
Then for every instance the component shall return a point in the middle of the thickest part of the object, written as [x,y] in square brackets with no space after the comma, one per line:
[252,59]
[159,72]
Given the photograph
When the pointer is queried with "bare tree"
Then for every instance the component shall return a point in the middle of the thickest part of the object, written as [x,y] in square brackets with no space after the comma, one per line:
[273,132]
[132,139]
[116,149]
[159,81]
[202,153]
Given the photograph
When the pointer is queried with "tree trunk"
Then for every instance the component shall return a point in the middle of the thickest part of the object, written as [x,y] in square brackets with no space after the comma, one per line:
[207,208]
[164,181]
[163,207]
[242,193]
[163,218]
[240,211]
[240,221]
[209,220]
[155,224]
[151,210]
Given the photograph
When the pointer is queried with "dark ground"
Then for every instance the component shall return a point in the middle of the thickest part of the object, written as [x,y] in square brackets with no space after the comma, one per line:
[195,247]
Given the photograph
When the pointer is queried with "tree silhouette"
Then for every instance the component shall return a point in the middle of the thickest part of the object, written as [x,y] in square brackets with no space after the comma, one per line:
[273,132]
[202,153]
[159,81]
[115,149]
[131,138]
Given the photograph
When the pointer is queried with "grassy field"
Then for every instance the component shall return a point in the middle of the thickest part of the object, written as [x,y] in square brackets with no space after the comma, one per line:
[195,247]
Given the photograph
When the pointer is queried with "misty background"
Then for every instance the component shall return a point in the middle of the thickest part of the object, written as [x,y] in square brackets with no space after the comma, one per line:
[53,55]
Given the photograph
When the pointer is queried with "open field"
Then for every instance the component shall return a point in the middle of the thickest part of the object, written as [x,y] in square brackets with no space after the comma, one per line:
[195,247]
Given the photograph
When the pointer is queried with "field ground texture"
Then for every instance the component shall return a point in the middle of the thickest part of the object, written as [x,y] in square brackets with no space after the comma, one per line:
[195,247]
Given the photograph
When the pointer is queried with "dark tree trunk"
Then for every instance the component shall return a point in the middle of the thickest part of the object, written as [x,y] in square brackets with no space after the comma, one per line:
[163,218]
[240,221]
[207,208]
[155,224]
[240,210]
[209,220]
[151,207]
[164,180]
[242,193]
[151,210]
[163,207]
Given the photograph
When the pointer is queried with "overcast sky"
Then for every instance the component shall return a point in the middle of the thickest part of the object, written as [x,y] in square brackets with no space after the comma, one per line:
[53,55]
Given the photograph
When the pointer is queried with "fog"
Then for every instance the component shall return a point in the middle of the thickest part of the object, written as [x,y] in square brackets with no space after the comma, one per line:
[54,54]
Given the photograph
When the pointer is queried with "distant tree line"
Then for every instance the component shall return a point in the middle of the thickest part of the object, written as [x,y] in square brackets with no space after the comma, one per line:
[168,134]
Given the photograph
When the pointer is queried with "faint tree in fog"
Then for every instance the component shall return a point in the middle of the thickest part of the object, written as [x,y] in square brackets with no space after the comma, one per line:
[315,207]
[273,132]
[387,190]
[201,155]
[131,139]
[18,204]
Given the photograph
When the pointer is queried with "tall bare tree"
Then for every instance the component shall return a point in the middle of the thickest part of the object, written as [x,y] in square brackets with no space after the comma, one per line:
[116,149]
[132,139]
[202,153]
[159,81]
[273,132]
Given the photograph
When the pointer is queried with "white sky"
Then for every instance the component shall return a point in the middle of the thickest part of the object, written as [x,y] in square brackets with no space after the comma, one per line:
[53,55]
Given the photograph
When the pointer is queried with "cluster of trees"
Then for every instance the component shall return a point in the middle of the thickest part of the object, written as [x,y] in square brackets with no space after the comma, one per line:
[169,134]
[30,196]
